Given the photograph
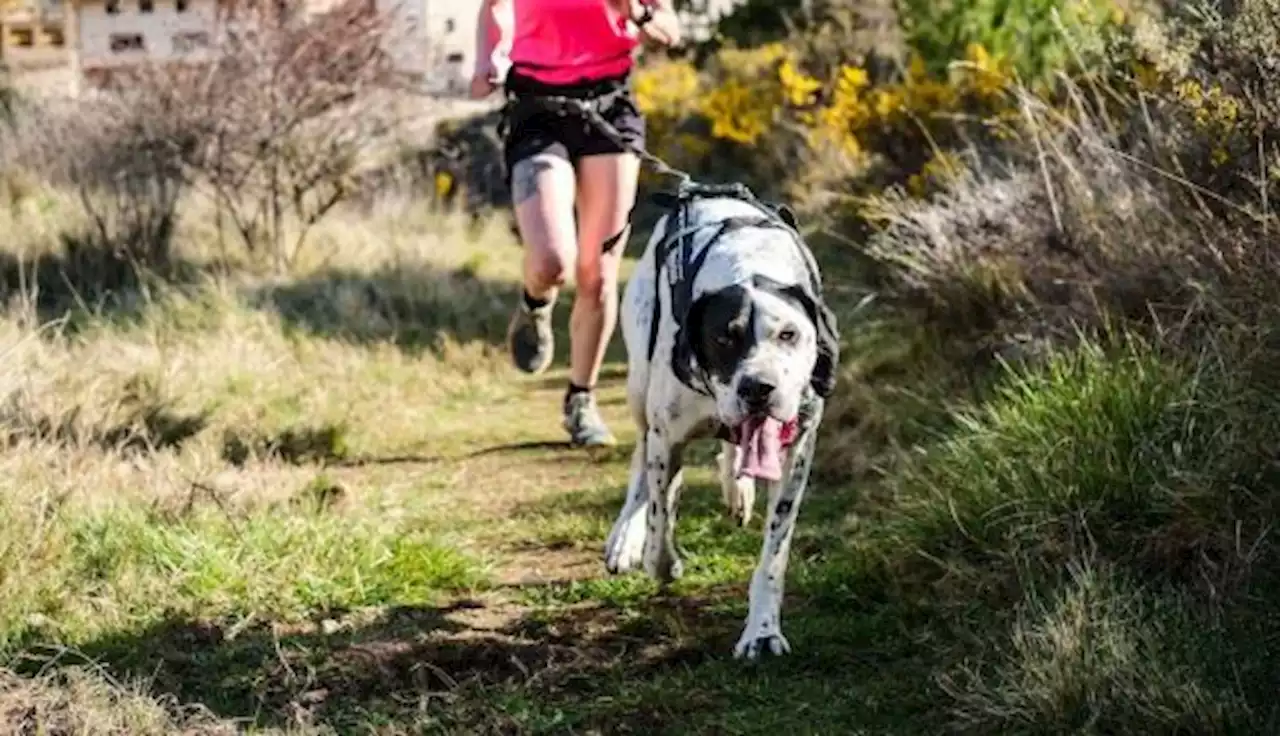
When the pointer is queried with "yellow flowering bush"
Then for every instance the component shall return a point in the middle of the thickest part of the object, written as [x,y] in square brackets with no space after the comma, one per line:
[752,107]
[443,184]
[940,170]
[745,103]
[666,93]
[699,121]
[1156,70]
[1214,113]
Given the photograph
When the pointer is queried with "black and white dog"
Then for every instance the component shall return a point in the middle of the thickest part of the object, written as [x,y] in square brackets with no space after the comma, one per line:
[726,334]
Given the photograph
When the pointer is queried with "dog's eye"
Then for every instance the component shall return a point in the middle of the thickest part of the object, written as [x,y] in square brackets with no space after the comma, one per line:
[789,335]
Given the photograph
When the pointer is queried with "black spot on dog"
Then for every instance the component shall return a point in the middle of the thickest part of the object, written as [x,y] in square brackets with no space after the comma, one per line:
[719,332]
[784,507]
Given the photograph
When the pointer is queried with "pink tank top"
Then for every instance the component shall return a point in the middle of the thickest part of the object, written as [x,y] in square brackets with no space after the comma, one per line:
[568,41]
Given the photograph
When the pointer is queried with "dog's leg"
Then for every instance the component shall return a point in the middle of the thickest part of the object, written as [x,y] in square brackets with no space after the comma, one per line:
[763,629]
[665,476]
[624,551]
[739,494]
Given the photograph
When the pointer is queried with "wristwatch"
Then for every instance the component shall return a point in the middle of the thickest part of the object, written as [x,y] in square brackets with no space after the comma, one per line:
[645,16]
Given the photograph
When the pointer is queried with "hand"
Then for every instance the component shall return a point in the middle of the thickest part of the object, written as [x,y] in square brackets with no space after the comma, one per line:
[482,86]
[626,11]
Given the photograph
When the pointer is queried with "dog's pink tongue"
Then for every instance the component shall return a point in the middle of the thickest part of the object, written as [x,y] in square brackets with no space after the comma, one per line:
[761,443]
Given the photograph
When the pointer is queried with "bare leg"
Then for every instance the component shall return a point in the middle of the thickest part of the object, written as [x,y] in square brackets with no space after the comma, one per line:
[542,190]
[606,192]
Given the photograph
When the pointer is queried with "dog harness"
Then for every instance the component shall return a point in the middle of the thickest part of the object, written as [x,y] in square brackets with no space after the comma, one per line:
[677,256]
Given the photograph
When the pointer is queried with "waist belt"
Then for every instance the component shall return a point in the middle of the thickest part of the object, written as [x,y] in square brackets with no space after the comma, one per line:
[523,103]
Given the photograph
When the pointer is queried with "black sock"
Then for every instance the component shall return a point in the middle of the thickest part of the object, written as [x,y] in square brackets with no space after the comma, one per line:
[573,390]
[534,303]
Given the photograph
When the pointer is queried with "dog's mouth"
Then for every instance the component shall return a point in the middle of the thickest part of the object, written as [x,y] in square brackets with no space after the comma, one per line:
[762,439]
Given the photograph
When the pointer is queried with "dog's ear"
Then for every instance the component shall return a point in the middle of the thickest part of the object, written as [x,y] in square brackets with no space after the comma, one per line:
[828,362]
[686,352]
[823,379]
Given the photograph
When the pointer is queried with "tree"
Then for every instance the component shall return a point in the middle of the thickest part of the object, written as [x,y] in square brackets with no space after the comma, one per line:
[276,116]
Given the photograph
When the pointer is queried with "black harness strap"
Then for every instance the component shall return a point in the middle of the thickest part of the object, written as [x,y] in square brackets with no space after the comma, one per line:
[682,270]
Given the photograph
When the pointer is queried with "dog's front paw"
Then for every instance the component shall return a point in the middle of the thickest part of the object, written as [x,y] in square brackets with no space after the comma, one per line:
[743,501]
[624,551]
[739,494]
[661,563]
[760,638]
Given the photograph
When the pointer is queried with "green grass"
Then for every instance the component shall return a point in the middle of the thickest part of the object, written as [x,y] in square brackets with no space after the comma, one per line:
[284,563]
[342,512]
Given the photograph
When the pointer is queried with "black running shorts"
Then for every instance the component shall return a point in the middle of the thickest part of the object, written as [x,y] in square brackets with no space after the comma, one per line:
[531,129]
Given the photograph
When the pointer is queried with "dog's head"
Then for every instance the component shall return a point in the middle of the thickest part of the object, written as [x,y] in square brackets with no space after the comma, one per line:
[760,345]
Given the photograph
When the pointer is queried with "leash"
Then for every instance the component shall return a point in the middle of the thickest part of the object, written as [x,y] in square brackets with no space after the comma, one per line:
[682,270]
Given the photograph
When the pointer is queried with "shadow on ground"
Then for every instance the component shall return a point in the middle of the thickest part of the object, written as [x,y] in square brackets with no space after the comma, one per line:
[478,667]
[146,429]
[565,656]
[86,282]
[416,307]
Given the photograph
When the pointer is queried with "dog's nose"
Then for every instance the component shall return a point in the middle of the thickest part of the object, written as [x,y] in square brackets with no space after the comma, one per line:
[755,392]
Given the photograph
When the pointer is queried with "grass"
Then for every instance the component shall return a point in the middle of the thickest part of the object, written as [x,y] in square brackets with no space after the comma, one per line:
[323,503]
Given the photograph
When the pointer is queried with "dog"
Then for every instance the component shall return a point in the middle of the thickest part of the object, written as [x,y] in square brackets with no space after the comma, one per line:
[727,335]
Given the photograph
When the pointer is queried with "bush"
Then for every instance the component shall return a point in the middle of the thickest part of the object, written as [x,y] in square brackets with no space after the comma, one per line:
[1139,198]
[121,161]
[1107,654]
[1114,450]
[821,116]
[1120,497]
[759,115]
[273,131]
[1039,37]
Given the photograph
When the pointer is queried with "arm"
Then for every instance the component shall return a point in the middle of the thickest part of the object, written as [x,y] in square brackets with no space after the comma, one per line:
[663,26]
[489,36]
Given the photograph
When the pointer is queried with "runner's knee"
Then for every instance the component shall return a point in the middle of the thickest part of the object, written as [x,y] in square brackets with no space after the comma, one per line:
[550,267]
[597,282]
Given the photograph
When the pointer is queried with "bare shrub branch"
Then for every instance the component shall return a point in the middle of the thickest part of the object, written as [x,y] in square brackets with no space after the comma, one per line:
[272,123]
[282,116]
